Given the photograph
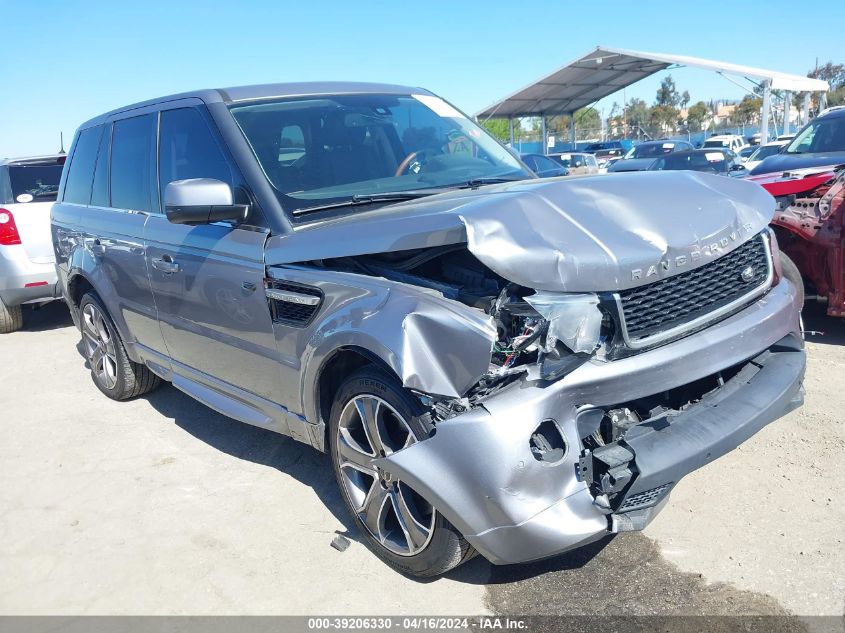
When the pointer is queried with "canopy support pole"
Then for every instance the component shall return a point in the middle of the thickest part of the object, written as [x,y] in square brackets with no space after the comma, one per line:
[543,134]
[787,106]
[510,128]
[572,130]
[805,110]
[764,113]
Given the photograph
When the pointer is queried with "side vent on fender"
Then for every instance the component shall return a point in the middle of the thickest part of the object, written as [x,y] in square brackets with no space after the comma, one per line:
[291,303]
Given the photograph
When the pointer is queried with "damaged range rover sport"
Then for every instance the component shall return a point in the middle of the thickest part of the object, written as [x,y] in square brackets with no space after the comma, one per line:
[495,363]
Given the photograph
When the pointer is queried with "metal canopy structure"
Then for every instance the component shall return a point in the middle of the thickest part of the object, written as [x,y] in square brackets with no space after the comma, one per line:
[604,71]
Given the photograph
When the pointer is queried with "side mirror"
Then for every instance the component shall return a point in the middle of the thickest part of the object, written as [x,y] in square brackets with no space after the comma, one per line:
[737,167]
[201,201]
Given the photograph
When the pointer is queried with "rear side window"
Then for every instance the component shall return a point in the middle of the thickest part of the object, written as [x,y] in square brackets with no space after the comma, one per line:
[187,149]
[81,171]
[131,162]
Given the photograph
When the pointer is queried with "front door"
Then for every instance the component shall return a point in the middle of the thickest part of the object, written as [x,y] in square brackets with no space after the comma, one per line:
[208,280]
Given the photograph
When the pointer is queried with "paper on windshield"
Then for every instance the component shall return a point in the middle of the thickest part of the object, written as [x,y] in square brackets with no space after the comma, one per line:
[714,157]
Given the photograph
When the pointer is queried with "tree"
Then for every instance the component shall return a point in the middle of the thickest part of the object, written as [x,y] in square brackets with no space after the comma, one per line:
[587,119]
[667,94]
[501,130]
[834,74]
[637,113]
[664,118]
[685,99]
[747,110]
[697,115]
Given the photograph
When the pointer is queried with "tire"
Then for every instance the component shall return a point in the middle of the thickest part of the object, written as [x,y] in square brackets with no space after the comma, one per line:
[111,369]
[790,271]
[11,318]
[432,546]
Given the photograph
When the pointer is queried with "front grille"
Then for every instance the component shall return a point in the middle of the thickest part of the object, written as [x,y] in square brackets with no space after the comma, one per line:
[643,499]
[672,302]
[290,313]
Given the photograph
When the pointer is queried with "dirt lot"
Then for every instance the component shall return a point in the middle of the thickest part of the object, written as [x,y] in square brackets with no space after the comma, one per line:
[162,506]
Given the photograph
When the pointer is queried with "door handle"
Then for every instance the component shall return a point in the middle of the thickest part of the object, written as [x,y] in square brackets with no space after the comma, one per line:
[166,265]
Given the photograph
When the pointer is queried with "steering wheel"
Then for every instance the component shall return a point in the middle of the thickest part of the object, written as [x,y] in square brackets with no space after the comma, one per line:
[409,161]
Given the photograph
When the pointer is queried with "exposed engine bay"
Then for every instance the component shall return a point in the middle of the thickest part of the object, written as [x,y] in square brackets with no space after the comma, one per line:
[525,337]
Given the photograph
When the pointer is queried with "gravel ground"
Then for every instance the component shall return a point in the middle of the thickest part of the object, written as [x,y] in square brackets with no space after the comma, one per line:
[162,506]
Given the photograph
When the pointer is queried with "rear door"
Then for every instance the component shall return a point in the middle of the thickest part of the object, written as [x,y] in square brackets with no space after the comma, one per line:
[33,186]
[208,280]
[118,201]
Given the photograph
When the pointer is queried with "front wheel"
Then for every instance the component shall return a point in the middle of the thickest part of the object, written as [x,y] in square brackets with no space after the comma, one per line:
[374,416]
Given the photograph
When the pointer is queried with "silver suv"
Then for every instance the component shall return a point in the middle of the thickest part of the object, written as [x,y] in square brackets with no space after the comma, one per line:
[495,363]
[28,188]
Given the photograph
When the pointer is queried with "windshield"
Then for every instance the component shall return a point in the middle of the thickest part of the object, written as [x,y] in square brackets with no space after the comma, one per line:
[765,152]
[822,135]
[322,150]
[35,182]
[562,159]
[650,150]
[716,143]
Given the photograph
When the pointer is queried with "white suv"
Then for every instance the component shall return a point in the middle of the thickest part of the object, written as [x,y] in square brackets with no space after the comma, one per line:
[28,188]
[733,142]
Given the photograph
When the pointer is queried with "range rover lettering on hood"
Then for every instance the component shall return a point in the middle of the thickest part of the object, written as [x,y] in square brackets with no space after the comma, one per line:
[708,251]
[572,235]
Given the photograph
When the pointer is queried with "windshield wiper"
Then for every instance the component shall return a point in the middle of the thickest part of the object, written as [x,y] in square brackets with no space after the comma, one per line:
[475,183]
[367,198]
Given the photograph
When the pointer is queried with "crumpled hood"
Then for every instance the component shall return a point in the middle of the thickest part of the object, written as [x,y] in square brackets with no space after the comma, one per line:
[585,234]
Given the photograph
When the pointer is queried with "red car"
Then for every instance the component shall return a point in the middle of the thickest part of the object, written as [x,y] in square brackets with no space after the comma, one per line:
[810,225]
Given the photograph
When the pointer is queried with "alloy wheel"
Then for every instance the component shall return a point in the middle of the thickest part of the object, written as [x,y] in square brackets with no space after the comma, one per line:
[99,345]
[394,515]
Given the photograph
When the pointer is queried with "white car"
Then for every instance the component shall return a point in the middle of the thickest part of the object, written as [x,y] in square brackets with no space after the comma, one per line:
[733,142]
[764,151]
[28,188]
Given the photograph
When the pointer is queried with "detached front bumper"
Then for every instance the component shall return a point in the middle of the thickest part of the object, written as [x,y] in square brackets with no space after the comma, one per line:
[479,471]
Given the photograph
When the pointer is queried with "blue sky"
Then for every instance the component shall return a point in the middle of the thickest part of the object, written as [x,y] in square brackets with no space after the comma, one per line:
[65,61]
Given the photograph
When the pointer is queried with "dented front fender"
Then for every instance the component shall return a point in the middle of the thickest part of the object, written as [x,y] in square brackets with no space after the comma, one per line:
[434,345]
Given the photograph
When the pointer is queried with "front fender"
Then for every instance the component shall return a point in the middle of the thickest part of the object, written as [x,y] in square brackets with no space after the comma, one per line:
[433,344]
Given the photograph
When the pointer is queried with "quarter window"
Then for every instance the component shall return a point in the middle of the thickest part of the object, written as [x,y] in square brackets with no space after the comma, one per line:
[131,162]
[188,149]
[78,186]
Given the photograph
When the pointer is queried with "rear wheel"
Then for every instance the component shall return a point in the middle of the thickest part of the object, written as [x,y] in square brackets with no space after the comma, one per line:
[113,373]
[11,318]
[372,417]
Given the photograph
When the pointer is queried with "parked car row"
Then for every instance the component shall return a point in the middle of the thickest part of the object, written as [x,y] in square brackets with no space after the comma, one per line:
[495,363]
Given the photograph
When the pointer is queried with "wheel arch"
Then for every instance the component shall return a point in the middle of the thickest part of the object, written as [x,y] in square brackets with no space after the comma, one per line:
[337,365]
